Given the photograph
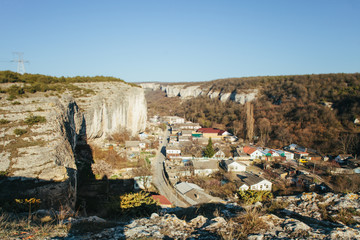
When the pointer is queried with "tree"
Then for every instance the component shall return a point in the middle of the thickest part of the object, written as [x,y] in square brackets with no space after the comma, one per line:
[264,129]
[347,143]
[249,108]
[209,150]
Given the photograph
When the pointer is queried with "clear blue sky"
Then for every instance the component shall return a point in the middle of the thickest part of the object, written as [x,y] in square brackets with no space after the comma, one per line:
[183,40]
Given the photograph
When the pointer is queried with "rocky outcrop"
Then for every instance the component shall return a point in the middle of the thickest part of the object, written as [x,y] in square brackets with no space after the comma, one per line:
[236,222]
[184,91]
[47,160]
[114,105]
[41,163]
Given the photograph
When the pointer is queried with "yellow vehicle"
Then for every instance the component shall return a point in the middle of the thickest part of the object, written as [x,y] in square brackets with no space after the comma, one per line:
[303,160]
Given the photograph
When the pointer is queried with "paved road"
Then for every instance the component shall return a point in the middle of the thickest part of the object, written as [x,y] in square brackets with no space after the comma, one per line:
[159,178]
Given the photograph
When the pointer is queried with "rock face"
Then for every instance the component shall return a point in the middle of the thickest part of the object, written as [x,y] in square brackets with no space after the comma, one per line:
[184,91]
[41,163]
[115,105]
[47,161]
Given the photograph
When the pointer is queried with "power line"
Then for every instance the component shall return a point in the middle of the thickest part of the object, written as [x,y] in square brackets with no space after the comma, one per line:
[20,60]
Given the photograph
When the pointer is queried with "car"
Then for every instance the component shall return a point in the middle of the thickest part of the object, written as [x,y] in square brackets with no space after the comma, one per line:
[303,160]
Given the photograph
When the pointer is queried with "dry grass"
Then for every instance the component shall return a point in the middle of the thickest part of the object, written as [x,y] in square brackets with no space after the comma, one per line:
[14,227]
[244,224]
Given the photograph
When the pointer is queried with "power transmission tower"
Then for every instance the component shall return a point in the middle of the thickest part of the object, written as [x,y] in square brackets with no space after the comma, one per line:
[20,61]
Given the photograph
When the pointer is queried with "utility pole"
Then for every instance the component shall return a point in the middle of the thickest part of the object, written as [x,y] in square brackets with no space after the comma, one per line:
[20,60]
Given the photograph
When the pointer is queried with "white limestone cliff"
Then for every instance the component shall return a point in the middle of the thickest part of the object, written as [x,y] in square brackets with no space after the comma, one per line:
[183,91]
[115,105]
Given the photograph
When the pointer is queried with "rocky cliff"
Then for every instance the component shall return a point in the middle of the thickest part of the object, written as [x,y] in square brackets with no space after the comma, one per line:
[42,158]
[40,162]
[186,91]
[114,105]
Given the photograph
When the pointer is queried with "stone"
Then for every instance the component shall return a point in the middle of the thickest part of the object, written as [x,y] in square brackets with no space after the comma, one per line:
[294,225]
[94,219]
[198,222]
[154,215]
[256,237]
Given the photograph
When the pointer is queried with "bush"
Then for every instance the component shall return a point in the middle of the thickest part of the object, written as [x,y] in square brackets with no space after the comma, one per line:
[4,121]
[19,131]
[250,196]
[31,120]
[138,204]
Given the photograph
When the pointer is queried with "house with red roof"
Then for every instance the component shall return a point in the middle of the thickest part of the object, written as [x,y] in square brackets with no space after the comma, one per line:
[212,133]
[253,152]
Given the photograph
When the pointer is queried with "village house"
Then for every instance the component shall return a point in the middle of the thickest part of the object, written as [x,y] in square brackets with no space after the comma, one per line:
[238,154]
[173,119]
[253,152]
[212,133]
[143,135]
[253,182]
[288,155]
[173,139]
[233,166]
[188,126]
[174,130]
[186,133]
[142,145]
[343,158]
[175,172]
[133,146]
[183,139]
[301,155]
[280,173]
[172,151]
[295,147]
[193,194]
[219,154]
[205,168]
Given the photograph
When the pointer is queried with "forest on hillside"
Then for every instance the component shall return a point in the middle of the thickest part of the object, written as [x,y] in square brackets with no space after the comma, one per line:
[317,111]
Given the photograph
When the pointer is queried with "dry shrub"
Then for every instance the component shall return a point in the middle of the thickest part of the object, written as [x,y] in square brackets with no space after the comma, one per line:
[121,136]
[102,168]
[251,221]
[110,157]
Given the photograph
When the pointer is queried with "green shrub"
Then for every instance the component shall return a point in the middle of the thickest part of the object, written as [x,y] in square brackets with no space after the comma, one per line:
[15,90]
[4,121]
[16,103]
[11,97]
[19,131]
[250,196]
[31,120]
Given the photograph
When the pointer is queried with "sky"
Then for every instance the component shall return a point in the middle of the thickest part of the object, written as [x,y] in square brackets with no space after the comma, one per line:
[181,40]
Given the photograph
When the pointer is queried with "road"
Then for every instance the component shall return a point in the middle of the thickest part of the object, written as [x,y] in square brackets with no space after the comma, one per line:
[159,178]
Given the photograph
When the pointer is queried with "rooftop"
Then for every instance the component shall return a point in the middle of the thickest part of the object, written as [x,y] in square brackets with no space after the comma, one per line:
[185,187]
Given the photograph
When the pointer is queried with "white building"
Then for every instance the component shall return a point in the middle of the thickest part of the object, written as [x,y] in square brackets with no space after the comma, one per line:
[174,119]
[205,168]
[257,154]
[253,182]
[233,166]
[172,151]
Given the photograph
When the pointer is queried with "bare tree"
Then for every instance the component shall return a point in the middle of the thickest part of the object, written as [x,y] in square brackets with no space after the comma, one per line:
[264,129]
[347,142]
[249,108]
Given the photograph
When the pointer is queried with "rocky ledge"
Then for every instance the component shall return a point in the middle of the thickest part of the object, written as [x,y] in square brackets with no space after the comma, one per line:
[300,217]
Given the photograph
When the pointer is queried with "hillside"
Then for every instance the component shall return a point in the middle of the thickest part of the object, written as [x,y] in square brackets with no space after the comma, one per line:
[317,111]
